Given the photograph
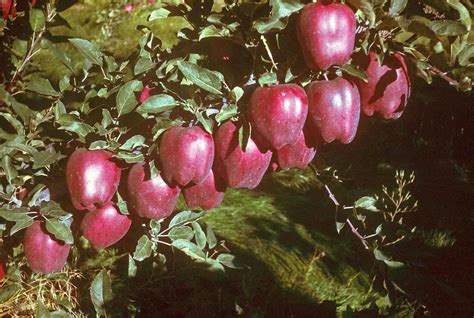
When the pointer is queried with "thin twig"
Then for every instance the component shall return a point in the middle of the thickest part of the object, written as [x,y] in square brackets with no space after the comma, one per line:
[360,237]
[331,196]
[443,75]
[269,52]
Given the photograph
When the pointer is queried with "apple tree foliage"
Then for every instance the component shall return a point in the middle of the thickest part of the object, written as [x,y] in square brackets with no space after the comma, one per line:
[224,51]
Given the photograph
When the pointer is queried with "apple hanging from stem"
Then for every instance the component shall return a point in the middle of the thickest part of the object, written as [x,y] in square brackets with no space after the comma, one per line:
[207,195]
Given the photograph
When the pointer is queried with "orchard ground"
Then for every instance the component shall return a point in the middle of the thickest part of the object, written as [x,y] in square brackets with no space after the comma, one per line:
[283,233]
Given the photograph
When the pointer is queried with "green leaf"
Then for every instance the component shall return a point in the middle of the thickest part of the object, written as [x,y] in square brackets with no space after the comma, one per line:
[184,217]
[227,260]
[9,169]
[211,237]
[199,235]
[88,50]
[367,203]
[143,64]
[464,15]
[190,249]
[227,112]
[37,20]
[245,131]
[448,28]
[16,124]
[62,57]
[41,310]
[205,122]
[397,6]
[204,78]
[144,248]
[158,14]
[464,58]
[45,158]
[60,230]
[353,71]
[133,142]
[278,19]
[181,233]
[101,291]
[122,205]
[368,10]
[126,100]
[14,215]
[71,123]
[130,157]
[42,86]
[21,224]
[268,79]
[132,267]
[106,118]
[157,104]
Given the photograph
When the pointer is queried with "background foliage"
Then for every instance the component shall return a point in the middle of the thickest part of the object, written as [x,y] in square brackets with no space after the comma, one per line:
[71,77]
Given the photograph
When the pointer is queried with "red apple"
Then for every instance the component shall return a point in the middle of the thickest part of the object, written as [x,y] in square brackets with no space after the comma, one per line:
[388,87]
[334,110]
[278,113]
[298,155]
[326,33]
[151,198]
[3,270]
[238,168]
[92,178]
[145,94]
[207,195]
[186,154]
[44,254]
[105,226]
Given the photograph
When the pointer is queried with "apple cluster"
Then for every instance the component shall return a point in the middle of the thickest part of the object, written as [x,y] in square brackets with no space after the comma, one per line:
[288,123]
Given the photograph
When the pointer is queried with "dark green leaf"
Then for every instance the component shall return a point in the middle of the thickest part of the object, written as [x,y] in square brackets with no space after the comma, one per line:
[199,235]
[181,233]
[71,123]
[14,215]
[281,10]
[245,131]
[205,122]
[37,20]
[157,104]
[42,86]
[466,55]
[227,112]
[144,248]
[353,71]
[397,6]
[143,64]
[45,158]
[184,217]
[9,169]
[88,50]
[204,78]
[101,291]
[132,267]
[21,224]
[126,100]
[60,230]
[190,249]
[448,28]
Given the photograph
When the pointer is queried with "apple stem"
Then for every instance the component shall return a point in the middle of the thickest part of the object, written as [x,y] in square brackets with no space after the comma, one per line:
[360,237]
[269,52]
[325,75]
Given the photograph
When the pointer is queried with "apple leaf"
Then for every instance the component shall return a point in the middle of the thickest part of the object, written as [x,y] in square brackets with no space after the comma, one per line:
[181,233]
[268,79]
[448,28]
[199,235]
[227,260]
[130,157]
[184,217]
[101,291]
[21,224]
[204,78]
[157,104]
[14,215]
[227,112]
[190,249]
[144,248]
[122,205]
[142,65]
[397,6]
[45,158]
[132,267]
[88,50]
[466,55]
[158,14]
[245,131]
[60,230]
[278,19]
[367,203]
[9,169]
[133,142]
[353,71]
[126,99]
[211,237]
[37,20]
[41,310]
[73,124]
[42,86]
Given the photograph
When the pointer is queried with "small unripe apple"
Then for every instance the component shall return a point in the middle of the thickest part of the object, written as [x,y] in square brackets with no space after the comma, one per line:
[44,254]
[326,33]
[105,226]
[92,178]
[207,195]
[334,110]
[388,87]
[186,155]
[298,155]
[150,198]
[238,168]
[278,113]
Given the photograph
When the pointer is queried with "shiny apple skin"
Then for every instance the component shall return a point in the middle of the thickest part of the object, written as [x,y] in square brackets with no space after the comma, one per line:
[334,110]
[388,88]
[92,178]
[105,226]
[238,168]
[298,155]
[150,198]
[207,195]
[186,155]
[44,254]
[145,94]
[326,33]
[278,113]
